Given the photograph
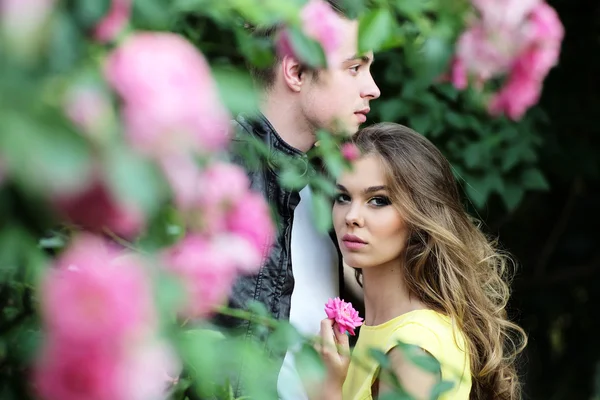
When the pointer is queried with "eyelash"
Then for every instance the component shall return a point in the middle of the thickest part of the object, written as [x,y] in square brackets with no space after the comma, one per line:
[343,198]
[355,69]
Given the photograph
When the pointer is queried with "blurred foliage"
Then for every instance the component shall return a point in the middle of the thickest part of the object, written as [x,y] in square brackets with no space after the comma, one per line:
[533,182]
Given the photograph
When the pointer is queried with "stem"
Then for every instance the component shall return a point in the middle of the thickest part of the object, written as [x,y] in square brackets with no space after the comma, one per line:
[246,315]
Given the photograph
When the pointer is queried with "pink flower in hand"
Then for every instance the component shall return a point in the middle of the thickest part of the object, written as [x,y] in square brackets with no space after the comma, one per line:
[344,315]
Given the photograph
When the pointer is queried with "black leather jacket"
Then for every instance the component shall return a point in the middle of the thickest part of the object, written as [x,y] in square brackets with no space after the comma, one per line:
[274,283]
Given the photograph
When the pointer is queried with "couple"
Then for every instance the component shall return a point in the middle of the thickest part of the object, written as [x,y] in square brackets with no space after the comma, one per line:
[430,277]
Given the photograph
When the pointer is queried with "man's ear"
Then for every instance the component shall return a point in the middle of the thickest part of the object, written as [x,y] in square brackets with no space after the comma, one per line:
[293,73]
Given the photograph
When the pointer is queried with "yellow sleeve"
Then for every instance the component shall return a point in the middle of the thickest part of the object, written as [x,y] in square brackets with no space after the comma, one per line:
[418,335]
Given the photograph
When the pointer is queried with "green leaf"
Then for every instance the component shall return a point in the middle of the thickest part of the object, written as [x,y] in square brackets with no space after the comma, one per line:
[375,29]
[236,90]
[322,206]
[134,180]
[420,358]
[291,178]
[533,178]
[511,159]
[306,49]
[44,156]
[381,358]
[309,365]
[285,336]
[473,155]
[512,196]
[392,109]
[440,388]
[421,123]
[90,12]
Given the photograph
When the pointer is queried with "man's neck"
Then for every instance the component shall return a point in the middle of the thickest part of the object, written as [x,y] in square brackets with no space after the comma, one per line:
[290,125]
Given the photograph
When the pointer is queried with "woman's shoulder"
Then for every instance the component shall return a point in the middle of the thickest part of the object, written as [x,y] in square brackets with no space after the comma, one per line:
[428,329]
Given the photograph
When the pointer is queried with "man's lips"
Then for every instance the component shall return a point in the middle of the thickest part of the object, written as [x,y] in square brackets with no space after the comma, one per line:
[362,114]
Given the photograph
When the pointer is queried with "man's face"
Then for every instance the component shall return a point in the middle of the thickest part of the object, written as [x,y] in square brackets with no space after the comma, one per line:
[338,98]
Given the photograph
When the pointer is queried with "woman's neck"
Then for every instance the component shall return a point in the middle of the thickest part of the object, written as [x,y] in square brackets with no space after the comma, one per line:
[386,294]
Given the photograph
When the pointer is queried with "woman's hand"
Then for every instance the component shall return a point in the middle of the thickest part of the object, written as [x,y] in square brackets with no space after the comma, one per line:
[335,352]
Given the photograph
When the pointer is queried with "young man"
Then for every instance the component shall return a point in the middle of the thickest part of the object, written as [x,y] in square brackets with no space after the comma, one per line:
[302,270]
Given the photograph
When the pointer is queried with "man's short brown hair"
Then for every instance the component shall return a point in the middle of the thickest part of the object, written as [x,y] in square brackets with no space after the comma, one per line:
[265,76]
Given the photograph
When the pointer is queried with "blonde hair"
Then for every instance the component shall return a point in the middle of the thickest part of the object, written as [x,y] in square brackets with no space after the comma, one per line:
[450,264]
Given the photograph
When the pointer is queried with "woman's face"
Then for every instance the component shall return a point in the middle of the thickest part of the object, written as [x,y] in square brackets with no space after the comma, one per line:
[369,229]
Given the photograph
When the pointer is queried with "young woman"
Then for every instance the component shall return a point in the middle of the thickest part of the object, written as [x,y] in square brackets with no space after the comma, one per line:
[431,278]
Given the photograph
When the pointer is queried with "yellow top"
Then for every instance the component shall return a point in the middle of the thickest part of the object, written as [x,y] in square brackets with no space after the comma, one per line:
[427,329]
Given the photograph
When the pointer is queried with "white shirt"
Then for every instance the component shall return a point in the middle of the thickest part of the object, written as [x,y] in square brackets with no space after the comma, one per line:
[316,275]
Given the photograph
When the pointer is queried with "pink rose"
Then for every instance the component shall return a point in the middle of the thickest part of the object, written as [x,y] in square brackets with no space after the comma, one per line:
[171,104]
[239,251]
[222,185]
[206,272]
[68,371]
[350,152]
[321,23]
[114,22]
[518,38]
[508,14]
[95,208]
[105,371]
[183,175]
[149,370]
[518,94]
[96,294]
[344,315]
[250,218]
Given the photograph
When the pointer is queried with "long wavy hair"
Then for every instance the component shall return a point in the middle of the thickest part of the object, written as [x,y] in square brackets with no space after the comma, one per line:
[450,265]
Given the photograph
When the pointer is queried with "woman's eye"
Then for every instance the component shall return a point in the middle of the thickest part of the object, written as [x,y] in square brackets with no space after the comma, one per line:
[380,201]
[342,198]
[355,68]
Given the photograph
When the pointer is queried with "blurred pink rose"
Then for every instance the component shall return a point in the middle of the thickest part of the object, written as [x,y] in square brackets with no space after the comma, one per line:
[183,175]
[222,185]
[508,14]
[149,370]
[207,273]
[344,315]
[517,38]
[141,370]
[114,22]
[96,294]
[95,208]
[171,104]
[321,23]
[350,152]
[486,54]
[524,84]
[250,218]
[68,371]
[516,96]
[239,251]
